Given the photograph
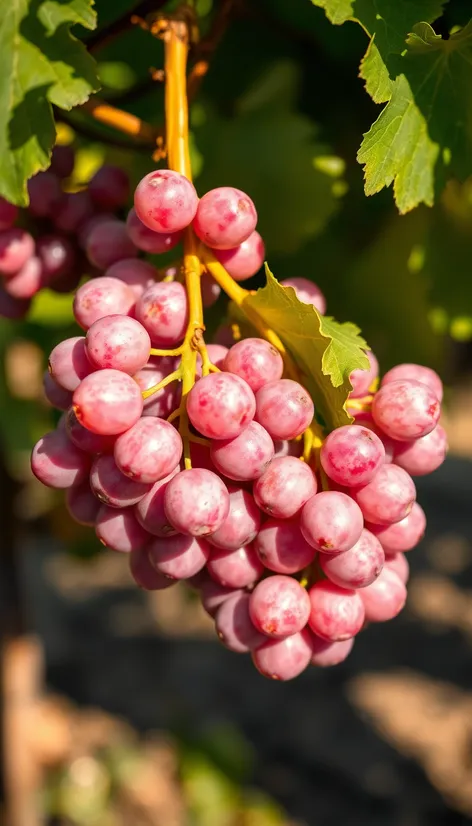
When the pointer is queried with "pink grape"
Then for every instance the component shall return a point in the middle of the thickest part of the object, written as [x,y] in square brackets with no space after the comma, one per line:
[58,463]
[282,547]
[326,653]
[399,563]
[102,297]
[384,598]
[224,335]
[196,502]
[216,354]
[44,192]
[119,530]
[361,380]
[221,405]
[284,659]
[69,363]
[331,522]
[56,254]
[109,187]
[27,281]
[165,201]
[146,239]
[211,291]
[235,568]
[150,509]
[234,626]
[307,292]
[16,247]
[55,394]
[415,372]
[256,361]
[85,439]
[144,575]
[242,523]
[13,308]
[72,210]
[279,606]
[163,311]
[149,450]
[108,402]
[87,226]
[8,214]
[245,260]
[62,161]
[118,342]
[137,274]
[284,487]
[112,487]
[404,535]
[351,455]
[405,409]
[213,595]
[283,447]
[164,401]
[388,498]
[245,457]
[82,505]
[179,557]
[225,217]
[388,443]
[109,242]
[357,567]
[336,613]
[284,408]
[423,455]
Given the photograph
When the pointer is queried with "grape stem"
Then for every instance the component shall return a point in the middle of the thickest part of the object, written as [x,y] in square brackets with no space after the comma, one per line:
[364,404]
[175,376]
[122,121]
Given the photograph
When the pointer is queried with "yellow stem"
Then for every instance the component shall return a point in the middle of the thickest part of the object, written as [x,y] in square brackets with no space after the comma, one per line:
[175,376]
[177,352]
[363,403]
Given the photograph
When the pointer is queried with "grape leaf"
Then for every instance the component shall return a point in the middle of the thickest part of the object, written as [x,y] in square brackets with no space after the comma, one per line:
[41,63]
[325,350]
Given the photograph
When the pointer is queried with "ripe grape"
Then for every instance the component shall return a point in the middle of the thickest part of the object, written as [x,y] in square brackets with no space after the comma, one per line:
[284,659]
[235,568]
[384,598]
[388,498]
[150,509]
[210,290]
[284,408]
[8,214]
[118,342]
[415,372]
[361,380]
[245,457]
[179,557]
[112,487]
[213,595]
[69,363]
[326,653]
[144,575]
[62,161]
[351,455]
[404,535]
[87,226]
[388,443]
[109,187]
[256,361]
[221,405]
[56,254]
[85,439]
[163,311]
[234,626]
[16,247]
[336,613]
[101,297]
[284,487]
[245,260]
[216,354]
[307,292]
[165,201]
[13,308]
[108,402]
[72,209]
[137,274]
[357,567]
[399,563]
[82,505]
[149,450]
[27,281]
[196,502]
[119,530]
[55,394]
[405,409]
[109,242]
[242,523]
[164,401]
[423,455]
[44,192]
[279,606]
[282,547]
[146,239]
[283,447]
[331,522]
[225,217]
[58,463]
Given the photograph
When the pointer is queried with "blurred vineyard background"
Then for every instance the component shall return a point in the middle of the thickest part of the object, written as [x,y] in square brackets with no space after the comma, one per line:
[149,721]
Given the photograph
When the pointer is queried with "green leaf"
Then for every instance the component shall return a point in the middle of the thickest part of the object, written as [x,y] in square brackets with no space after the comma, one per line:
[41,63]
[337,11]
[327,352]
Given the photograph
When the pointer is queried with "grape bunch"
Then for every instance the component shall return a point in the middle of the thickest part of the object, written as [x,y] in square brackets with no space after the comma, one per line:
[292,553]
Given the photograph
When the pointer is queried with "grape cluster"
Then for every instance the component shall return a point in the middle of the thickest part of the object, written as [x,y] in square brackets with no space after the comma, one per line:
[290,557]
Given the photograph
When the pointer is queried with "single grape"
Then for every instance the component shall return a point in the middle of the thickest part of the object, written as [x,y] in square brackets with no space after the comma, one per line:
[384,599]
[361,380]
[225,217]
[69,363]
[119,530]
[284,408]
[163,311]
[236,568]
[216,354]
[44,192]
[58,463]
[87,226]
[357,567]
[331,522]
[284,659]
[388,498]
[13,308]
[242,523]
[82,505]
[150,509]
[405,409]
[8,214]
[404,535]
[72,210]
[211,291]
[146,239]
[245,260]
[149,450]
[326,653]
[256,361]
[284,487]
[388,443]
[247,456]
[16,247]
[282,547]
[178,557]
[56,254]
[283,447]
[118,342]
[351,455]
[423,455]
[109,242]
[234,626]
[109,187]
[165,201]
[55,394]
[84,439]
[336,613]
[102,297]
[62,161]
[307,292]
[279,606]
[112,487]
[144,575]
[196,502]
[415,372]
[108,402]
[399,563]
[164,401]
[221,405]
[27,281]
[213,595]
[137,274]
